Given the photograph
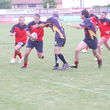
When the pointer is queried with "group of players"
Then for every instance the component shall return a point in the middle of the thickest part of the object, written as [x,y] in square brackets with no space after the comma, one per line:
[90,24]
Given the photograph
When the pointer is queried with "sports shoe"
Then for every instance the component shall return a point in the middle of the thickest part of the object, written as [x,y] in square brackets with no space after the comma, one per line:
[95,59]
[13,60]
[100,64]
[65,66]
[73,66]
[20,60]
[23,67]
[56,68]
[84,51]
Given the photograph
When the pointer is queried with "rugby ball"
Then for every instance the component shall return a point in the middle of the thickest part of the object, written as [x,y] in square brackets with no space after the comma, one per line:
[34,35]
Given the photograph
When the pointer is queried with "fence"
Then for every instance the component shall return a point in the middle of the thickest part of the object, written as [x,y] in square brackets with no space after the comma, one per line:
[67,14]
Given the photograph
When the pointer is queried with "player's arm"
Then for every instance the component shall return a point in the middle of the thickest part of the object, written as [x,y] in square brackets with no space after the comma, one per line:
[39,26]
[108,32]
[12,34]
[30,35]
[96,27]
[75,26]
[12,31]
[42,25]
[97,23]
[28,32]
[28,29]
[48,23]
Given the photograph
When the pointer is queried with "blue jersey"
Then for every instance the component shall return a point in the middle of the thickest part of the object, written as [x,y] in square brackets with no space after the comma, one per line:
[89,29]
[57,27]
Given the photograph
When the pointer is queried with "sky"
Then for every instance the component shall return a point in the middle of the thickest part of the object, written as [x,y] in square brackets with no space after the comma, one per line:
[87,3]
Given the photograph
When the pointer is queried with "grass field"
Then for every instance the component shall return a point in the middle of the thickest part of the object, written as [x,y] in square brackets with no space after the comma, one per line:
[40,88]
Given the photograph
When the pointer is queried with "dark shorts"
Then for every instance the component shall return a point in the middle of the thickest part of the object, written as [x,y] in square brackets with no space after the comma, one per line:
[60,42]
[91,43]
[20,43]
[37,44]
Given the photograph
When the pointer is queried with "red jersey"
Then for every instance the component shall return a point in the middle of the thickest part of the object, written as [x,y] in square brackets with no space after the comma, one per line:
[20,31]
[39,31]
[104,26]
[94,19]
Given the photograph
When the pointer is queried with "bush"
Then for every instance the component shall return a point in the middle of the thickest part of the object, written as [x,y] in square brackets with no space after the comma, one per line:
[5,4]
[51,3]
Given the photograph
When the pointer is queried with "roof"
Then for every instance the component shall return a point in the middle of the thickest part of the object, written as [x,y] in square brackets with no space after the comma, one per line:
[26,1]
[30,1]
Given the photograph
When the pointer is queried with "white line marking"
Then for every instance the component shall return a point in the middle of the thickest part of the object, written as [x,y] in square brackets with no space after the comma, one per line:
[75,87]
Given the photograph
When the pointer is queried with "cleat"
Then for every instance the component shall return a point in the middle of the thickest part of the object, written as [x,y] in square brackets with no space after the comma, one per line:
[20,60]
[42,57]
[56,68]
[23,67]
[65,66]
[95,59]
[13,60]
[84,51]
[73,66]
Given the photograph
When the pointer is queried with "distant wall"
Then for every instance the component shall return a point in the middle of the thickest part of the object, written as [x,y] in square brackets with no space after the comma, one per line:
[68,14]
[28,19]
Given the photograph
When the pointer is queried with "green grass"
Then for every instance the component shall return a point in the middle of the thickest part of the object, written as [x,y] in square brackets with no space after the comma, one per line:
[40,88]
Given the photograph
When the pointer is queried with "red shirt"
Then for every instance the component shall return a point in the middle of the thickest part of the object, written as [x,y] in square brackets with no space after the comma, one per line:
[39,31]
[104,26]
[94,19]
[20,31]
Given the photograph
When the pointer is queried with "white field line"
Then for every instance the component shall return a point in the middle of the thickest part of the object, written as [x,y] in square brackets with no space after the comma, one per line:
[75,87]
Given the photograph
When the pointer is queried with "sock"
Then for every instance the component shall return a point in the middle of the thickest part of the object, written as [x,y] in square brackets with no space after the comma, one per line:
[99,61]
[15,54]
[25,64]
[76,63]
[56,60]
[62,58]
[87,48]
[19,54]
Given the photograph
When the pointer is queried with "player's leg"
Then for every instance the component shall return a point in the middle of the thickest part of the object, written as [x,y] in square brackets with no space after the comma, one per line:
[78,49]
[85,50]
[27,53]
[40,55]
[57,50]
[94,46]
[16,52]
[29,47]
[59,43]
[20,45]
[98,56]
[39,47]
[107,44]
[100,43]
[59,55]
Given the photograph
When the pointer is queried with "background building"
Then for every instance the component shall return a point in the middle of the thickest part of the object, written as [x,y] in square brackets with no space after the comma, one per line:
[32,4]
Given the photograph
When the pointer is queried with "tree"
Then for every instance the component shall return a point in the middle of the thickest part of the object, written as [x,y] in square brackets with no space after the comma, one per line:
[108,5]
[49,4]
[5,4]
